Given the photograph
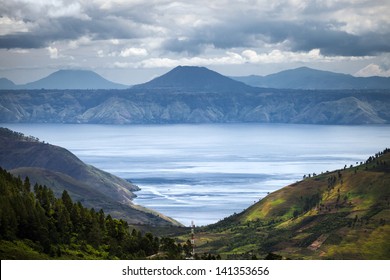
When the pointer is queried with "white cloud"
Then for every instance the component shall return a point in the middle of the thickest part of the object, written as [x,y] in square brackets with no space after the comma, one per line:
[230,58]
[100,53]
[60,9]
[373,70]
[133,52]
[82,41]
[118,64]
[278,56]
[233,58]
[20,51]
[9,26]
[53,52]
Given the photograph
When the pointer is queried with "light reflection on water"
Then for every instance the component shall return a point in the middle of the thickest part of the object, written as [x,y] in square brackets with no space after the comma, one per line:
[207,172]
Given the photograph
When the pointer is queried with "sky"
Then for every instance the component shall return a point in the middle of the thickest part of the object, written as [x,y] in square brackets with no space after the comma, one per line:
[134,41]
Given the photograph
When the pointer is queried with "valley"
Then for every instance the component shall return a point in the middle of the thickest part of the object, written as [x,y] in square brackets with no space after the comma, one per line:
[259,169]
[343,214]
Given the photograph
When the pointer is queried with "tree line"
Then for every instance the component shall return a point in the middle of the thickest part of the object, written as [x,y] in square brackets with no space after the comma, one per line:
[56,225]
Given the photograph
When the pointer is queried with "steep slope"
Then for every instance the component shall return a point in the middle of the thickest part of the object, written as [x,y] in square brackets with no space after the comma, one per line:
[35,224]
[194,78]
[59,169]
[73,79]
[307,78]
[342,214]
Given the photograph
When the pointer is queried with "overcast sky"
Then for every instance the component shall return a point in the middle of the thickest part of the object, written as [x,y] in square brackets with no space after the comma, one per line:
[135,40]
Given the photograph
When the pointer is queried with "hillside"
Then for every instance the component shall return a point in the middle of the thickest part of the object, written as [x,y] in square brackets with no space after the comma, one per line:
[59,169]
[194,104]
[342,214]
[307,78]
[34,224]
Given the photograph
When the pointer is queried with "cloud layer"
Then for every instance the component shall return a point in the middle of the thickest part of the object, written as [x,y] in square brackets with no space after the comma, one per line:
[141,33]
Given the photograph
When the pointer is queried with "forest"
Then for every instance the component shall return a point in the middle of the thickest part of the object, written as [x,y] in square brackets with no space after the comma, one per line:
[34,224]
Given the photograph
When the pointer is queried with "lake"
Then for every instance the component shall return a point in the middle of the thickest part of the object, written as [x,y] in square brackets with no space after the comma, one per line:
[209,171]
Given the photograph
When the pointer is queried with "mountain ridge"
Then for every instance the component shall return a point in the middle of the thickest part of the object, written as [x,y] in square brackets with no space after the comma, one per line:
[341,214]
[59,169]
[308,78]
[194,78]
[7,84]
[196,95]
[67,79]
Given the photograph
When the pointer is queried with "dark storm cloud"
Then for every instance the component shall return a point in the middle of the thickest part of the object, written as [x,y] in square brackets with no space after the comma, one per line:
[43,34]
[332,42]
[70,29]
[237,25]
[304,36]
[96,24]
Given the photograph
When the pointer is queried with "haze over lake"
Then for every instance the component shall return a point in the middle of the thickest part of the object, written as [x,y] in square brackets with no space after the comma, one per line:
[207,172]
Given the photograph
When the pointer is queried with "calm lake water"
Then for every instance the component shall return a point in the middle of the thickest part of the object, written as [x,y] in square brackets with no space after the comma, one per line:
[207,172]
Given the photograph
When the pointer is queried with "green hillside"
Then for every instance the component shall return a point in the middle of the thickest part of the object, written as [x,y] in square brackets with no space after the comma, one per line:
[344,214]
[59,169]
[35,224]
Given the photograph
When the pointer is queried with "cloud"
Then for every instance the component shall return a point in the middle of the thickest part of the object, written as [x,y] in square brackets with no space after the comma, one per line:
[163,32]
[52,21]
[133,52]
[53,52]
[232,58]
[300,35]
[373,70]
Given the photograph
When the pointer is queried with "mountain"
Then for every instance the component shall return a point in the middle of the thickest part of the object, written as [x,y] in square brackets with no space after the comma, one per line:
[196,95]
[307,78]
[59,169]
[6,84]
[194,78]
[73,79]
[162,106]
[343,214]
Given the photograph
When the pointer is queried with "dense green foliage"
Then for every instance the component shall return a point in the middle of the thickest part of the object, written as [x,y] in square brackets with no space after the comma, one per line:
[39,225]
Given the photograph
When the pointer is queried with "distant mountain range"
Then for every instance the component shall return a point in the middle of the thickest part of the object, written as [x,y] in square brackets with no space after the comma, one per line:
[201,78]
[197,95]
[59,169]
[307,78]
[66,79]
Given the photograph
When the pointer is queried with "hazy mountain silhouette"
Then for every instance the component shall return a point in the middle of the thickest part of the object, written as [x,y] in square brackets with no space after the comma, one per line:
[73,79]
[194,78]
[6,84]
[307,78]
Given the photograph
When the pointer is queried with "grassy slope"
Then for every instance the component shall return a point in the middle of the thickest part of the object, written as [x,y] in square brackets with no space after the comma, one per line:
[354,226]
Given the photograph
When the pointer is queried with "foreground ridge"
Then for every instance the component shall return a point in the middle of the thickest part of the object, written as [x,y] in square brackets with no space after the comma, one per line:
[343,214]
